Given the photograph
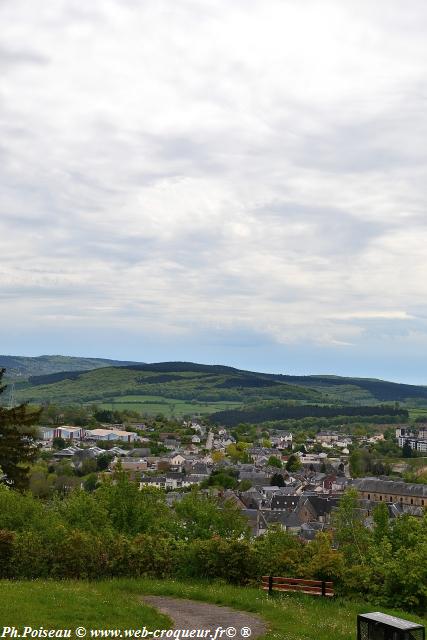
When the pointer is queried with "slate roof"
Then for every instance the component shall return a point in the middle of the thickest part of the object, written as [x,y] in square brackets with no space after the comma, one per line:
[378,485]
[321,505]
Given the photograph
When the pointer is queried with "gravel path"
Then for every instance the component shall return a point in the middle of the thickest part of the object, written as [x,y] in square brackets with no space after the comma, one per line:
[188,614]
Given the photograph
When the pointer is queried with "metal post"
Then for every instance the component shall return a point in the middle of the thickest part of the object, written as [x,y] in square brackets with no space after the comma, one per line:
[270,585]
[323,588]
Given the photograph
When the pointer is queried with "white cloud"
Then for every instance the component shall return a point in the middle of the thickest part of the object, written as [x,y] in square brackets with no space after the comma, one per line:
[255,166]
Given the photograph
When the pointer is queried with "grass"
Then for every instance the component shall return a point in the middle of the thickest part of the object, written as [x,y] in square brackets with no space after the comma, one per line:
[116,604]
[153,405]
[67,604]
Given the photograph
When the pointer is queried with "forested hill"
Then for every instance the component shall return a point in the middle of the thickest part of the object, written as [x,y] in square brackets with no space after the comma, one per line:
[143,384]
[22,367]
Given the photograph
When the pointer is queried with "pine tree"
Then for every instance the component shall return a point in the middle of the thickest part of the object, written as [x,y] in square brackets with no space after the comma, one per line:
[17,442]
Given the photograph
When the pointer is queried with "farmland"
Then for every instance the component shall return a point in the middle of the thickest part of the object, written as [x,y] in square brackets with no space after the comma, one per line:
[153,405]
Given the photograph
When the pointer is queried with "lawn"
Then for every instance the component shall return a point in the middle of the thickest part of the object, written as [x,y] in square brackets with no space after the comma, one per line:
[116,604]
[63,604]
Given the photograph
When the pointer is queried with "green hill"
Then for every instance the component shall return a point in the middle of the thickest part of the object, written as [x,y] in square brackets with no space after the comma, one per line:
[180,388]
[22,367]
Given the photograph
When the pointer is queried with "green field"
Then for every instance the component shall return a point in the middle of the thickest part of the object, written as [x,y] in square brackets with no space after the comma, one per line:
[117,604]
[417,413]
[153,405]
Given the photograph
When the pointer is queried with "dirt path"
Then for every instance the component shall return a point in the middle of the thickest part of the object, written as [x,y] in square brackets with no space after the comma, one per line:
[189,614]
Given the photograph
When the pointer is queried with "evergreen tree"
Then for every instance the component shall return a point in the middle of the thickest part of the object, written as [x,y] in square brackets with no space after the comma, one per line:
[407,450]
[277,480]
[17,442]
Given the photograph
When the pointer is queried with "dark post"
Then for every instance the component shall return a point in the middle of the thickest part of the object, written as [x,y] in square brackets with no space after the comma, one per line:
[270,585]
[323,588]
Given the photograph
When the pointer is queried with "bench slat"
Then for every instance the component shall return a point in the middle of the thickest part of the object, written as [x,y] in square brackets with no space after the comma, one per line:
[298,585]
[279,580]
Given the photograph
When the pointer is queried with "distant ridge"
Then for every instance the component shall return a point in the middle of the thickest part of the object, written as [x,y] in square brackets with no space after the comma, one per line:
[95,380]
[22,367]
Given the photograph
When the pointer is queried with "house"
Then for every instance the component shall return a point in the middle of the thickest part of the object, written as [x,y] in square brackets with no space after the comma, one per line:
[69,452]
[284,520]
[316,508]
[252,498]
[175,480]
[159,482]
[327,437]
[379,490]
[257,478]
[284,441]
[134,464]
[177,459]
[195,439]
[280,502]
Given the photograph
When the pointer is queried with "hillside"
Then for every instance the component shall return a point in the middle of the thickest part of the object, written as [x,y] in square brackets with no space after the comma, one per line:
[22,367]
[116,604]
[179,388]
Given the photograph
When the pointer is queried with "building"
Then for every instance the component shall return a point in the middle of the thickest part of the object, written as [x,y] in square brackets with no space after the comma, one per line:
[391,491]
[67,433]
[416,438]
[327,437]
[111,434]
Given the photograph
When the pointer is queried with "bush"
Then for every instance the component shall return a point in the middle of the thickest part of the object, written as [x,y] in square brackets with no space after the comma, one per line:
[6,552]
[154,555]
[229,560]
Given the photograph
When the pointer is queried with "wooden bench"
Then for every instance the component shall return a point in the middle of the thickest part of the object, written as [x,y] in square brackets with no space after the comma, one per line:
[312,587]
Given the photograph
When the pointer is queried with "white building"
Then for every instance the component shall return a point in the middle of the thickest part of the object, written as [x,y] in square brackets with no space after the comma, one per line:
[111,434]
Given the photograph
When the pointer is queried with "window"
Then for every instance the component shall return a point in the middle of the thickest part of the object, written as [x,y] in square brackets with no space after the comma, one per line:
[381,498]
[412,501]
[369,496]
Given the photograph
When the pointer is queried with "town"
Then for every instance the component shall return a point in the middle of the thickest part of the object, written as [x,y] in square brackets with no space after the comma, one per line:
[273,481]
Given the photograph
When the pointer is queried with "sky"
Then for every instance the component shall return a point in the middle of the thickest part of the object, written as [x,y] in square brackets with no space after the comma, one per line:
[241,183]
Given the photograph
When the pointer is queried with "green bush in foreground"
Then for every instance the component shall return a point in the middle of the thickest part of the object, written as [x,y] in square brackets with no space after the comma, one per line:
[118,530]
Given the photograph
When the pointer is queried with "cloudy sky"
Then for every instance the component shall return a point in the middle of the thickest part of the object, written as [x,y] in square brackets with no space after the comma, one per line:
[236,182]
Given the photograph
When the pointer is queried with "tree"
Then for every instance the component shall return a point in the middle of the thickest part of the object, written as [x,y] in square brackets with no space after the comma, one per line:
[59,443]
[17,442]
[277,480]
[203,516]
[273,461]
[350,533]
[293,463]
[407,450]
[103,461]
[381,521]
[91,482]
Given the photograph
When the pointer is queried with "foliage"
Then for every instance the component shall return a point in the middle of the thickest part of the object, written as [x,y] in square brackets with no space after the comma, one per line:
[225,478]
[282,410]
[273,461]
[294,463]
[277,480]
[200,518]
[17,443]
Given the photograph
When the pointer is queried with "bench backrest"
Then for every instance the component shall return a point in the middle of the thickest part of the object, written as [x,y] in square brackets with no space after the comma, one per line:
[311,587]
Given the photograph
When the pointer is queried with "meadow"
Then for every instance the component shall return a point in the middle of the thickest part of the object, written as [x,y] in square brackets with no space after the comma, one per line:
[117,604]
[169,407]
